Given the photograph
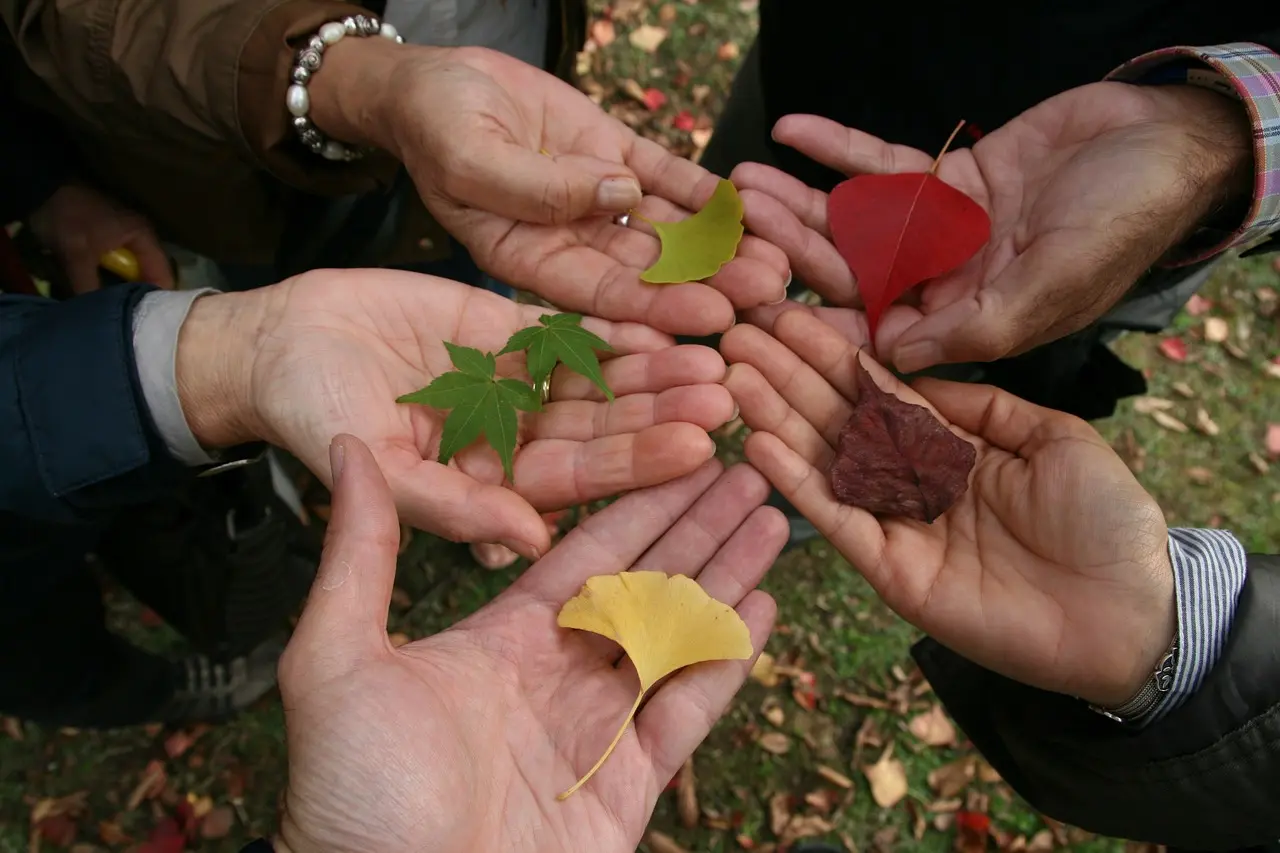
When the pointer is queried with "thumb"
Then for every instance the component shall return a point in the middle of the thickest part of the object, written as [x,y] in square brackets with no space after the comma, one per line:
[345,620]
[531,186]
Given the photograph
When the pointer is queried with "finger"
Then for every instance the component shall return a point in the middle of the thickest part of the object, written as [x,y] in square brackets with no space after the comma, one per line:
[807,205]
[676,179]
[345,619]
[611,540]
[515,182]
[623,337]
[847,321]
[644,373]
[680,714]
[848,151]
[708,525]
[803,388]
[554,474]
[764,410]
[445,501]
[855,533]
[153,263]
[706,406]
[996,416]
[812,257]
[741,563]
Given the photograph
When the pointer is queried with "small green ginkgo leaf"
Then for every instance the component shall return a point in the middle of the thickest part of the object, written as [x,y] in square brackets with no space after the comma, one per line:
[696,248]
[560,337]
[479,404]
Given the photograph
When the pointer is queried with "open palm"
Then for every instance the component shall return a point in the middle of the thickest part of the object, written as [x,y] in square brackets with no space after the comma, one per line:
[1085,191]
[334,349]
[514,172]
[463,740]
[1051,569]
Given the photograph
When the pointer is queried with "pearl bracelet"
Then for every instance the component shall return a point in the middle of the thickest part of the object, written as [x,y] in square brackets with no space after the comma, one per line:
[308,62]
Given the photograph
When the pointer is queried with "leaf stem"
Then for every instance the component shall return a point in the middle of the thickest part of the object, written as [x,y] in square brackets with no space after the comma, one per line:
[607,752]
[950,139]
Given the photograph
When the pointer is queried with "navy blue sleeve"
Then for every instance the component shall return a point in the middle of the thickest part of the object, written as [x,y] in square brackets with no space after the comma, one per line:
[75,437]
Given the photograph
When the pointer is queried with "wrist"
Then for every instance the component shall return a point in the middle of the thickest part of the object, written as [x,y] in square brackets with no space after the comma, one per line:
[1216,141]
[353,96]
[213,368]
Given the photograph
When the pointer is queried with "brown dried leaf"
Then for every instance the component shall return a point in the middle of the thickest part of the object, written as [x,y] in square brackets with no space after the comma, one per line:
[888,779]
[72,805]
[1169,422]
[771,710]
[1206,424]
[860,701]
[217,823]
[835,777]
[775,742]
[1216,330]
[823,799]
[988,774]
[647,37]
[602,32]
[1234,351]
[661,843]
[1147,405]
[1041,842]
[687,796]
[1259,464]
[1200,476]
[779,812]
[763,670]
[804,826]
[933,727]
[896,458]
[950,779]
[149,786]
[1272,441]
[946,806]
[1183,390]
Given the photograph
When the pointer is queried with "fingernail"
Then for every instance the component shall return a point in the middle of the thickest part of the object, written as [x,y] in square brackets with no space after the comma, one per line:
[786,287]
[522,548]
[618,194]
[337,452]
[917,356]
[734,416]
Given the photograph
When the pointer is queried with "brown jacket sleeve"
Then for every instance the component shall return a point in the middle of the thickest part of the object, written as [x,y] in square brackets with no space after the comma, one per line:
[218,68]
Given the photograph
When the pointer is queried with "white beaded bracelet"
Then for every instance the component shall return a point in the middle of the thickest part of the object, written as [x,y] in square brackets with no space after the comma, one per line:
[308,62]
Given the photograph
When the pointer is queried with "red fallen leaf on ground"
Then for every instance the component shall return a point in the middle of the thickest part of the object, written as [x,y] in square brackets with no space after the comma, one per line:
[804,689]
[58,829]
[972,829]
[896,458]
[896,231]
[654,99]
[1197,305]
[1174,349]
[166,837]
[684,121]
[1273,441]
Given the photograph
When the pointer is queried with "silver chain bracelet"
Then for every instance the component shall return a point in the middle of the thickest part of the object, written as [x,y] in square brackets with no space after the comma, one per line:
[308,62]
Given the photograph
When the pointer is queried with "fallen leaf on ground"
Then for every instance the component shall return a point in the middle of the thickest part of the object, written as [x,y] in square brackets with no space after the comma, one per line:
[946,806]
[1169,422]
[150,785]
[663,623]
[602,32]
[933,727]
[805,826]
[888,779]
[696,248]
[728,51]
[1259,464]
[895,231]
[1272,368]
[1200,476]
[804,689]
[1147,405]
[775,743]
[72,805]
[1206,424]
[1235,351]
[972,829]
[1198,305]
[763,670]
[1273,441]
[988,774]
[823,799]
[1041,842]
[647,37]
[858,700]
[835,777]
[896,458]
[59,830]
[1216,330]
[166,837]
[779,812]
[180,741]
[217,823]
[687,796]
[771,710]
[1183,389]
[683,121]
[950,779]
[1174,349]
[654,99]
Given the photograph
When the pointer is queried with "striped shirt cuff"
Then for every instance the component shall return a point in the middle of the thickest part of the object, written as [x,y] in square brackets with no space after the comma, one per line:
[1208,573]
[1250,73]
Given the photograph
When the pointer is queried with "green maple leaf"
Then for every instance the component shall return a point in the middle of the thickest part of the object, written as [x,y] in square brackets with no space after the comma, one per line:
[479,404]
[696,248]
[560,337]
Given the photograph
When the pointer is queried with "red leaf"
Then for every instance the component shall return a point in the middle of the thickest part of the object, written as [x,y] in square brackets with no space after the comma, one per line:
[972,829]
[1174,349]
[58,829]
[896,458]
[896,231]
[1197,305]
[684,121]
[167,837]
[654,99]
[804,689]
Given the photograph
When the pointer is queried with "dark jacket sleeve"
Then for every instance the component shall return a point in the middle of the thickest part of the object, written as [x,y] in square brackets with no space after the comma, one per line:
[76,441]
[35,158]
[1205,777]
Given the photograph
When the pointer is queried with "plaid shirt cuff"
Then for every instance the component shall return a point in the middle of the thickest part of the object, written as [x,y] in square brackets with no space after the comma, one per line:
[1250,73]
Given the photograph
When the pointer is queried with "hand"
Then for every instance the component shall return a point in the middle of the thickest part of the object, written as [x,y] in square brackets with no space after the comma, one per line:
[80,225]
[330,351]
[1053,567]
[1086,191]
[461,741]
[528,173]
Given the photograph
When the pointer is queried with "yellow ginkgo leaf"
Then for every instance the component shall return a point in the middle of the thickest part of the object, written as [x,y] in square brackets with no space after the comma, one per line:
[662,622]
[695,248]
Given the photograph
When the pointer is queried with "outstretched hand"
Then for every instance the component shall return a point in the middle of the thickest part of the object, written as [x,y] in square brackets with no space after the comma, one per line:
[1086,191]
[462,741]
[1052,569]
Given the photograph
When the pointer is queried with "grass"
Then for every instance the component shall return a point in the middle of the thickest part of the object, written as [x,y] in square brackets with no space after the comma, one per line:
[830,623]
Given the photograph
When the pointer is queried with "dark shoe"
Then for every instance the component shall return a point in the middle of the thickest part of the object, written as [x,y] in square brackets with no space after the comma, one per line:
[208,691]
[226,563]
